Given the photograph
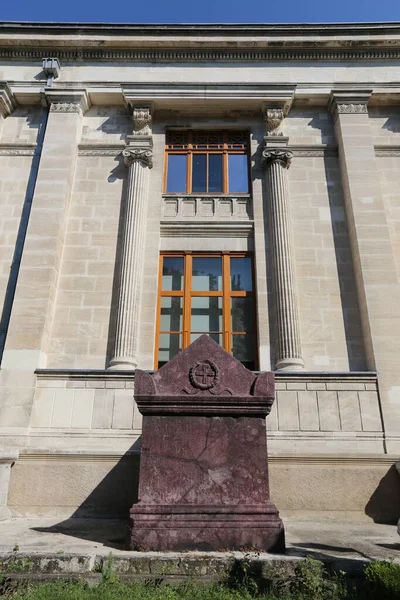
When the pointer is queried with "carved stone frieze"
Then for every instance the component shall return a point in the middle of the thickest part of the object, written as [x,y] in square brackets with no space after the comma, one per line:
[17,151]
[143,155]
[273,118]
[352,109]
[100,150]
[276,155]
[65,107]
[349,102]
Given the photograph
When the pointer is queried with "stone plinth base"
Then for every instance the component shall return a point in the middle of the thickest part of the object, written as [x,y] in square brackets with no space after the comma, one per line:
[179,528]
[7,459]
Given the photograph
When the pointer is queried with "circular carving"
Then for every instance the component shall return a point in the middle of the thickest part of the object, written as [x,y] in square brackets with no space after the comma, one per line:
[204,375]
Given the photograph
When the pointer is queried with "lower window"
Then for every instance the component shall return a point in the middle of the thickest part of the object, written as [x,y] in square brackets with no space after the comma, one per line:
[209,294]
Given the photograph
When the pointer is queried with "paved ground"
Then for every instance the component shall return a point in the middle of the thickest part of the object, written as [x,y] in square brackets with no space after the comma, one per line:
[333,537]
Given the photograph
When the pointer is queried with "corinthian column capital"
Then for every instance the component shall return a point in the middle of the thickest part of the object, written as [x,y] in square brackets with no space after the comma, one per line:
[276,155]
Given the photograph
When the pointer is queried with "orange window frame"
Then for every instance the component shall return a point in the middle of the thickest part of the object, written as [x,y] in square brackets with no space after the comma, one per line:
[188,293]
[190,150]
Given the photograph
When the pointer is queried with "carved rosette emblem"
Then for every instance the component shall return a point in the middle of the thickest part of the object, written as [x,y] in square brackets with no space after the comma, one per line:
[204,375]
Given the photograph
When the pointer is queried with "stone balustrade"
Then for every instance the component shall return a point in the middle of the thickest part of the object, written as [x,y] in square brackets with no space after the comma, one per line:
[217,207]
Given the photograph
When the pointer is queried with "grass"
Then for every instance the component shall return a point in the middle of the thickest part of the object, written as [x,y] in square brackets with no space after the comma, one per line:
[189,591]
[309,581]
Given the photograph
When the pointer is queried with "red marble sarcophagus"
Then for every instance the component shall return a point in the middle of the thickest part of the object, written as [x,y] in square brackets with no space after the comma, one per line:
[203,480]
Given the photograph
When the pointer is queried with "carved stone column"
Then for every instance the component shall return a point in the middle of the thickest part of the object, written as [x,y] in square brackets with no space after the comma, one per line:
[276,159]
[138,157]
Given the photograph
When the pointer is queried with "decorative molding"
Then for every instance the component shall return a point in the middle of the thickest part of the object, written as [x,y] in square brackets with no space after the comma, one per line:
[313,151]
[133,154]
[273,118]
[17,150]
[351,109]
[65,107]
[203,55]
[88,456]
[7,100]
[89,150]
[276,155]
[388,151]
[205,229]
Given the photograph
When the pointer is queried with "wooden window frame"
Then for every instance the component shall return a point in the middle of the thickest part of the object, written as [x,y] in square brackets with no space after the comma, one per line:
[188,293]
[190,150]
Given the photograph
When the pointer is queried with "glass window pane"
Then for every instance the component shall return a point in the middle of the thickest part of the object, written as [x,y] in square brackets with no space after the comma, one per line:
[176,176]
[241,276]
[243,349]
[238,178]
[169,345]
[172,275]
[199,173]
[242,314]
[217,337]
[207,274]
[215,173]
[171,314]
[206,313]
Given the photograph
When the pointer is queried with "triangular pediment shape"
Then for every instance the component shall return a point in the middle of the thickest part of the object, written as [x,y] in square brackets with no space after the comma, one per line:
[204,369]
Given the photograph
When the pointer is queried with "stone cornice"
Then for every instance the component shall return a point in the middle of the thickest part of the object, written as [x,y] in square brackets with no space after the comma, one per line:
[80,37]
[7,101]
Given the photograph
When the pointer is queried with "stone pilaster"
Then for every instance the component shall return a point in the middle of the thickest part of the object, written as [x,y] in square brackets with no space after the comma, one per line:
[36,290]
[372,251]
[276,159]
[138,157]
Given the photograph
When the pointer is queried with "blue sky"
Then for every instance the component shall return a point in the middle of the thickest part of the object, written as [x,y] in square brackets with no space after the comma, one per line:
[203,11]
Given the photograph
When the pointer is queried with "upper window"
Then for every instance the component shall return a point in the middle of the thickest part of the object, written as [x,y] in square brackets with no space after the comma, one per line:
[206,293]
[206,162]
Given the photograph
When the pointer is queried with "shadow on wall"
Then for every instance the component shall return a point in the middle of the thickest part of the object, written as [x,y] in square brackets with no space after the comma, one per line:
[384,504]
[111,499]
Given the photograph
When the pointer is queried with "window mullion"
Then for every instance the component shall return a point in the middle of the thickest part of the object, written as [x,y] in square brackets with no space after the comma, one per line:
[187,300]
[160,270]
[226,303]
[225,172]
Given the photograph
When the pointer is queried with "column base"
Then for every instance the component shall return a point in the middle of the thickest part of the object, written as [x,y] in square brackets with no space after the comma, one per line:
[122,363]
[207,528]
[290,364]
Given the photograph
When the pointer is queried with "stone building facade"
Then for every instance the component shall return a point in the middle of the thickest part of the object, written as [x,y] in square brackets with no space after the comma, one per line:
[161,181]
